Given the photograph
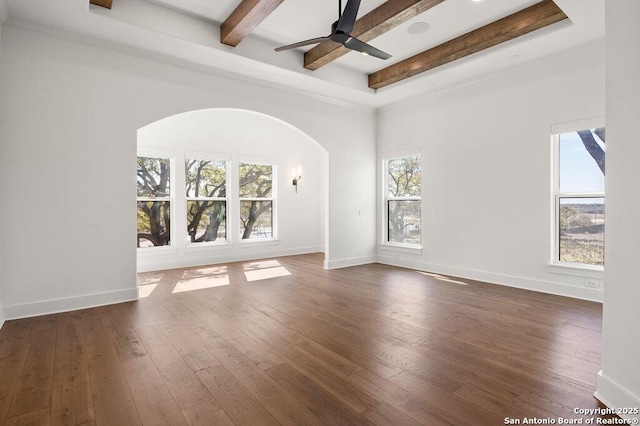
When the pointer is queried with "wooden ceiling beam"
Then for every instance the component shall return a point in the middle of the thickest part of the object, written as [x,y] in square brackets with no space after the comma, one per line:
[244,19]
[380,20]
[103,3]
[525,21]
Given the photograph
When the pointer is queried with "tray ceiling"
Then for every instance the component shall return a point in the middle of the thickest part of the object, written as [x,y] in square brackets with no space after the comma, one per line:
[195,25]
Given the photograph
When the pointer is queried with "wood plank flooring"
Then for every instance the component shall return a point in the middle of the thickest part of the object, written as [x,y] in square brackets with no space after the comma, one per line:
[283,341]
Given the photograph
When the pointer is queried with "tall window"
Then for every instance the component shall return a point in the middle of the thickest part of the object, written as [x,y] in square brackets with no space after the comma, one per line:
[206,195]
[403,200]
[154,202]
[579,196]
[256,201]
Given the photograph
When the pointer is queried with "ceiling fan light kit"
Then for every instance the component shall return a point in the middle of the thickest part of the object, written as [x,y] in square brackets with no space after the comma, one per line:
[341,33]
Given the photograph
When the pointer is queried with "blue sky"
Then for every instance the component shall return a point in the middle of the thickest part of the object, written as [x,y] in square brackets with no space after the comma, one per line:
[578,170]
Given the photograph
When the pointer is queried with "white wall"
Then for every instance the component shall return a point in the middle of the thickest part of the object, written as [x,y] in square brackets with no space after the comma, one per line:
[71,113]
[238,135]
[619,381]
[487,170]
[2,18]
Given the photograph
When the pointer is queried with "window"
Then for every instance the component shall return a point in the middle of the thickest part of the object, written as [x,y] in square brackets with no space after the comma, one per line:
[206,195]
[154,202]
[579,197]
[403,200]
[256,201]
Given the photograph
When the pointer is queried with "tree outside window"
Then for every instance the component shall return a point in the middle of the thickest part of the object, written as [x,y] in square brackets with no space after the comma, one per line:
[580,197]
[403,200]
[154,202]
[206,194]
[256,201]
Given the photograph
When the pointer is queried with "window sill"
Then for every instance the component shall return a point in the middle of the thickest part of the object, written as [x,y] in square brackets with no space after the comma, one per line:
[401,248]
[577,270]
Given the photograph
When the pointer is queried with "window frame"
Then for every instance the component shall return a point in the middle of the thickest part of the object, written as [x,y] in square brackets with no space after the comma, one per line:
[200,156]
[386,199]
[239,199]
[557,195]
[148,152]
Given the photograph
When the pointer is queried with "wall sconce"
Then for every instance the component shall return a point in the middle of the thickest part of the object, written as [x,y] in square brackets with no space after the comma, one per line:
[297,175]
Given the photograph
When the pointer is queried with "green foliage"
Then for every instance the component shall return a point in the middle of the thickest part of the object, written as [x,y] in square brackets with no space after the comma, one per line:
[206,220]
[256,219]
[143,222]
[153,216]
[205,178]
[404,180]
[405,176]
[153,177]
[404,221]
[154,223]
[256,180]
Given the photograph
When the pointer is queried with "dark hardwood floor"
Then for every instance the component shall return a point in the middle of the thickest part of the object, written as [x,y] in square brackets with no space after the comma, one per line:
[283,341]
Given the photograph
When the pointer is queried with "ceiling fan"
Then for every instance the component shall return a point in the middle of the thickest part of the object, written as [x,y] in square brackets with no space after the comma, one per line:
[341,33]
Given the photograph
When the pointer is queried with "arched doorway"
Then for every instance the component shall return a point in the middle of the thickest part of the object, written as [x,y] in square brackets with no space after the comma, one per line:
[246,217]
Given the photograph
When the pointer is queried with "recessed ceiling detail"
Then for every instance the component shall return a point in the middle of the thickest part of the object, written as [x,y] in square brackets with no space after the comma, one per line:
[515,25]
[192,32]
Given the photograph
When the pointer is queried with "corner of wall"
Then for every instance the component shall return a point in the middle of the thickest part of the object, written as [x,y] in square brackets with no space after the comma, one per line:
[347,262]
[615,397]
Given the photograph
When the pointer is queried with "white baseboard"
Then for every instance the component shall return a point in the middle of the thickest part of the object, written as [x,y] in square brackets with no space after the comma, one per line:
[345,263]
[615,396]
[549,287]
[1,318]
[54,306]
[160,263]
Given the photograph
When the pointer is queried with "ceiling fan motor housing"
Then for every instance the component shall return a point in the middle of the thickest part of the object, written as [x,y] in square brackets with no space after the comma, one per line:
[337,35]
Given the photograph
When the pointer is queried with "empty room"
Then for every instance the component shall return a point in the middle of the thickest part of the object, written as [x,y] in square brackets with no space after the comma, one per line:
[319,212]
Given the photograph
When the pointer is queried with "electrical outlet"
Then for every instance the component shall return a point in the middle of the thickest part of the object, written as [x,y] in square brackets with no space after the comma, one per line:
[593,283]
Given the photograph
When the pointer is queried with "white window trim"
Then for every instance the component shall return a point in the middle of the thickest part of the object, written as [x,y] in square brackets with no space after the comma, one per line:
[555,265]
[263,161]
[198,155]
[153,152]
[385,244]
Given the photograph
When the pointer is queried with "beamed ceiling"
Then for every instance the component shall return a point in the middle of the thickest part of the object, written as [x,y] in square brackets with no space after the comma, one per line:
[465,39]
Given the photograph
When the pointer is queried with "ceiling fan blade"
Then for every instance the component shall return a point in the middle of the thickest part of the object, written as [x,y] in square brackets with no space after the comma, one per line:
[348,18]
[360,46]
[302,43]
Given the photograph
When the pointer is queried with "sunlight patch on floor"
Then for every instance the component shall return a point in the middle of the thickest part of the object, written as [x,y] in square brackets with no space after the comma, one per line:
[442,278]
[147,282]
[264,270]
[201,278]
[204,272]
[146,290]
[147,278]
[262,264]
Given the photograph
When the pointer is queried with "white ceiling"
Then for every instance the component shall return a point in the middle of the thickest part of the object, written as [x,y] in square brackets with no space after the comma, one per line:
[188,30]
